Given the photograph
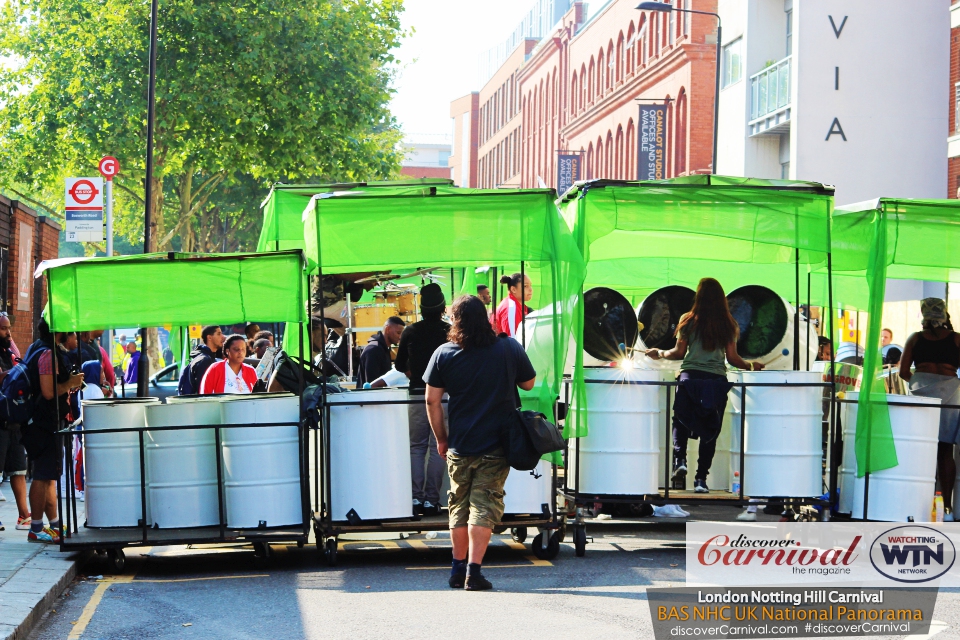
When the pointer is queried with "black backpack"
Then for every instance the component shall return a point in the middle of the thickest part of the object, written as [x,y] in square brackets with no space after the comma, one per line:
[20,388]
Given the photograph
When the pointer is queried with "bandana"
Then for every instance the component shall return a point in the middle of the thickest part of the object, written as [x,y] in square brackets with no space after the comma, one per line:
[934,312]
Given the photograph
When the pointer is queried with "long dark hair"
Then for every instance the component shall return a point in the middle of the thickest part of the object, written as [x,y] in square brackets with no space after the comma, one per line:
[710,317]
[471,326]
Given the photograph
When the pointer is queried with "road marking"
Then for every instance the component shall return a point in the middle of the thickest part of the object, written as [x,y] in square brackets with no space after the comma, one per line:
[534,562]
[256,575]
[419,545]
[385,544]
[92,605]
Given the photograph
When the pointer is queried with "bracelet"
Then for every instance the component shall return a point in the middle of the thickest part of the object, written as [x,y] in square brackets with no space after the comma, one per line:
[753,366]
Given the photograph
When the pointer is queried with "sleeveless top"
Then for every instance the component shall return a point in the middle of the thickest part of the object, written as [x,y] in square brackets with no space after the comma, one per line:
[944,351]
[698,358]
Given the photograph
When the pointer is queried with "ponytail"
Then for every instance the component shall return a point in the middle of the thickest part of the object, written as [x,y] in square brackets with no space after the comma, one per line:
[512,281]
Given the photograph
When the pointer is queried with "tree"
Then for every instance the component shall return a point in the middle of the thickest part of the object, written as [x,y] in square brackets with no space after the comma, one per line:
[246,91]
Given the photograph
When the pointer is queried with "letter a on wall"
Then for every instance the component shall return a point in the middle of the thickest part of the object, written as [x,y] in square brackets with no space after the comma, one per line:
[836,129]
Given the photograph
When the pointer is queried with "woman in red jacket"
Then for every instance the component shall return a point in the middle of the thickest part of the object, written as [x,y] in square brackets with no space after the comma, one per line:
[230,375]
[511,312]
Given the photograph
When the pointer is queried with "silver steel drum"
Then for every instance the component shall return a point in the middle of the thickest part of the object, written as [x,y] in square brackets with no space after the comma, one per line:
[111,461]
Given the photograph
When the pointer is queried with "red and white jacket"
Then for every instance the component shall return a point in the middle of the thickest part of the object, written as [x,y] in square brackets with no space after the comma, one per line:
[214,379]
[509,315]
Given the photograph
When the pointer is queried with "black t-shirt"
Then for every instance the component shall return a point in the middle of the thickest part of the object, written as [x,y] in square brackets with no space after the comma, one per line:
[417,344]
[482,384]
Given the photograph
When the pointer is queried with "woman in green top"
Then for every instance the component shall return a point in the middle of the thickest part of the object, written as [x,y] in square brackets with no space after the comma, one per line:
[706,337]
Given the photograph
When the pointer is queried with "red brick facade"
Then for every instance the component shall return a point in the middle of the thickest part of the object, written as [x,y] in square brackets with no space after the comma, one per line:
[20,226]
[577,91]
[953,164]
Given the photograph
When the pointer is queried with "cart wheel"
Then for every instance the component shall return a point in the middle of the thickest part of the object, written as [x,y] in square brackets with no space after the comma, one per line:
[261,554]
[330,550]
[300,544]
[580,540]
[552,550]
[117,559]
[519,534]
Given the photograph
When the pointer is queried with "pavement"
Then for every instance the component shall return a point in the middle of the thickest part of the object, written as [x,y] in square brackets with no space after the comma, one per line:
[32,576]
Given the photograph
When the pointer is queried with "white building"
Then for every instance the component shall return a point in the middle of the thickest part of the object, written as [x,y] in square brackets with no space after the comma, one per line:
[427,155]
[845,92]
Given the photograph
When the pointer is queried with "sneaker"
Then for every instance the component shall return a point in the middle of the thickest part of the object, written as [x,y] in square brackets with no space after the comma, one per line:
[417,508]
[23,524]
[457,579]
[747,516]
[43,536]
[679,469]
[3,498]
[53,533]
[476,582]
[430,509]
[700,486]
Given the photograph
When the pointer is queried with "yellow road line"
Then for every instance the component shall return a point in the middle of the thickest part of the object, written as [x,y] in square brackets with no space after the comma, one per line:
[419,545]
[87,615]
[534,562]
[256,575]
[513,544]
[386,544]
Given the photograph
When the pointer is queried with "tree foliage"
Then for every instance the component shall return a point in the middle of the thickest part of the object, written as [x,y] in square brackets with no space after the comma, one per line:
[248,93]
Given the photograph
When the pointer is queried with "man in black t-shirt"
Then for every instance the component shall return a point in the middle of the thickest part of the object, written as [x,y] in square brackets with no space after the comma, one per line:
[481,373]
[417,344]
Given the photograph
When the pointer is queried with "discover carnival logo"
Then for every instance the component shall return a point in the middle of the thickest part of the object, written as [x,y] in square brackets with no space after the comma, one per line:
[913,554]
[744,551]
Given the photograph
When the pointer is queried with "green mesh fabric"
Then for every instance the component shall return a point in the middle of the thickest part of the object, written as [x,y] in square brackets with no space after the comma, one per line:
[639,236]
[874,241]
[379,229]
[283,207]
[180,289]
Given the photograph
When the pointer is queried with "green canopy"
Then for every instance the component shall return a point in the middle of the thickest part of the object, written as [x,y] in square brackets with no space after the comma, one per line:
[874,241]
[639,236]
[283,207]
[175,288]
[370,230]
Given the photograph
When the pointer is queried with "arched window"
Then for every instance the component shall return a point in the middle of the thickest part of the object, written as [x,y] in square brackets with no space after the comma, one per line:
[610,64]
[601,78]
[593,84]
[620,58]
[680,146]
[598,172]
[642,42]
[631,151]
[588,165]
[608,162]
[631,42]
[583,86]
[655,40]
[619,154]
[573,95]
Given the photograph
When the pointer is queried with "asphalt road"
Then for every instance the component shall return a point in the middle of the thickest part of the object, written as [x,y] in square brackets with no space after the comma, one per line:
[390,589]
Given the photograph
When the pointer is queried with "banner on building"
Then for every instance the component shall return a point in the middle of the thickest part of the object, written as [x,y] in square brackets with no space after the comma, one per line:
[568,171]
[651,142]
[84,209]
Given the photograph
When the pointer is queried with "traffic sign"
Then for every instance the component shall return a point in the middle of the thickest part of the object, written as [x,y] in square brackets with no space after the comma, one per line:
[109,167]
[84,209]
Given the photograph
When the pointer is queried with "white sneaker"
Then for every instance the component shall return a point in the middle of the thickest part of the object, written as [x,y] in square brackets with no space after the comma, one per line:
[3,498]
[747,516]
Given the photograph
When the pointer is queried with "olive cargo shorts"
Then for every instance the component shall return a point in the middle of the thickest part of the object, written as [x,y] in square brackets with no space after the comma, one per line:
[476,489]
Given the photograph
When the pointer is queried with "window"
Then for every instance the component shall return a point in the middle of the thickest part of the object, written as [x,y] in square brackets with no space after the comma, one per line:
[672,25]
[732,63]
[956,114]
[789,32]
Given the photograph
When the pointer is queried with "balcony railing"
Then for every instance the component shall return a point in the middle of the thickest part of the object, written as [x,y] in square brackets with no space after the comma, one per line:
[770,97]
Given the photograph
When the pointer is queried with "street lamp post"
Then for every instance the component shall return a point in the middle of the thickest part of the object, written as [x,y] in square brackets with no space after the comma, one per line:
[143,368]
[666,7]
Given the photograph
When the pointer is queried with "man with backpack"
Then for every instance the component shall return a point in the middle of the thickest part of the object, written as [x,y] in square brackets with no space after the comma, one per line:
[201,359]
[50,382]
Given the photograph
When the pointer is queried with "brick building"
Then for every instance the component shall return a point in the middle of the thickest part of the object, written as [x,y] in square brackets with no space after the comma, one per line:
[576,88]
[953,141]
[26,239]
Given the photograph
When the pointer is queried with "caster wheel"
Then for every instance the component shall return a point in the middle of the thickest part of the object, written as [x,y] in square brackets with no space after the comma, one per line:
[519,534]
[261,554]
[300,544]
[552,549]
[330,551]
[580,540]
[117,559]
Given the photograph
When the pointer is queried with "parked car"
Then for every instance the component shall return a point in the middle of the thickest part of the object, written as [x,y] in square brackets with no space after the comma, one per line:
[162,384]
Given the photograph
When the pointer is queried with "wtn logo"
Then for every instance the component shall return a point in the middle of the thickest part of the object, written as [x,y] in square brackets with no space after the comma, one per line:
[913,553]
[920,552]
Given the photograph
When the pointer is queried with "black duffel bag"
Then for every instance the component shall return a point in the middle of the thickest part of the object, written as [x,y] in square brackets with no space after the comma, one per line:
[526,436]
